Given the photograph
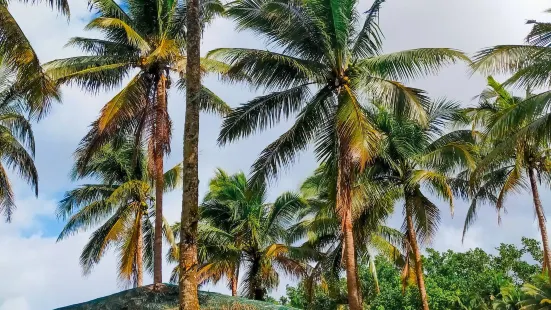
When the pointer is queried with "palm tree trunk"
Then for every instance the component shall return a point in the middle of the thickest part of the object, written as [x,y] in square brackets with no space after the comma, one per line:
[160,141]
[418,262]
[139,255]
[190,201]
[354,302]
[344,208]
[541,222]
[235,281]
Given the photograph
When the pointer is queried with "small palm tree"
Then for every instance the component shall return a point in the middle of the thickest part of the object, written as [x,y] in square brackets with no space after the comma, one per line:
[509,164]
[122,203]
[16,143]
[324,71]
[146,39]
[509,298]
[242,237]
[320,226]
[536,295]
[415,157]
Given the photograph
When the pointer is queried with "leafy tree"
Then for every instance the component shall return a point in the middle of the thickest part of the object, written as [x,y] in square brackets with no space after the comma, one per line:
[16,143]
[473,280]
[319,48]
[508,164]
[415,157]
[242,236]
[122,204]
[145,38]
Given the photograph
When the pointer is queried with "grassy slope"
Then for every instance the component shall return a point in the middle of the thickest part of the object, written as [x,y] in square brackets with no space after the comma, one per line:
[145,298]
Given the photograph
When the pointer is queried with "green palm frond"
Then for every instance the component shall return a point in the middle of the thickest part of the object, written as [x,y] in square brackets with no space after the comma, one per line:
[133,38]
[368,42]
[411,64]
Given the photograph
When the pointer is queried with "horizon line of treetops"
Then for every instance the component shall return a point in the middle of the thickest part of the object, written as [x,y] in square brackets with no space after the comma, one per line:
[380,144]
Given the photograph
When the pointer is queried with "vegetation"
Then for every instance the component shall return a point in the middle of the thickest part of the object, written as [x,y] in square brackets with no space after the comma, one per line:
[122,203]
[381,146]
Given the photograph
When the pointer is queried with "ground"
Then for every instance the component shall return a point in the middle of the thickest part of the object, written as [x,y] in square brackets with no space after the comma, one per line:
[145,298]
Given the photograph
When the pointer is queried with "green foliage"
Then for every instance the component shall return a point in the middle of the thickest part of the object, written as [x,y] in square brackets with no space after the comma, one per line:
[473,280]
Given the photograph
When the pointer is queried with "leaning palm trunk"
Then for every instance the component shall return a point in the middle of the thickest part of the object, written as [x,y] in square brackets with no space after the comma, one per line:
[159,141]
[344,207]
[139,254]
[541,222]
[190,201]
[417,255]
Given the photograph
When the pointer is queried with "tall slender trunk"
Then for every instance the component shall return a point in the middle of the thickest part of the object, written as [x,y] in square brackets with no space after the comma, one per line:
[190,201]
[354,302]
[139,254]
[344,208]
[234,281]
[417,255]
[160,142]
[541,222]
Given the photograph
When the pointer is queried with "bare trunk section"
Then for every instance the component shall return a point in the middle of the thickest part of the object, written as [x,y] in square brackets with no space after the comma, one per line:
[354,302]
[541,222]
[234,281]
[139,254]
[344,209]
[160,141]
[190,202]
[417,255]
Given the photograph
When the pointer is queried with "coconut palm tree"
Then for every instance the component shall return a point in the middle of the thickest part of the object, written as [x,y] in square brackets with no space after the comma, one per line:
[242,236]
[122,203]
[415,158]
[146,39]
[536,295]
[16,143]
[508,298]
[18,55]
[320,226]
[510,164]
[323,69]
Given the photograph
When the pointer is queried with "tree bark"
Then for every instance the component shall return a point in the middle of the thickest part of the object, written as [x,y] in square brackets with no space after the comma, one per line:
[344,209]
[139,254]
[354,302]
[160,141]
[541,222]
[235,281]
[190,201]
[417,255]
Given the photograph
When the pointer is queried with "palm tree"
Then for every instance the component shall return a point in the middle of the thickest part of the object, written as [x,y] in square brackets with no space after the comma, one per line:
[321,50]
[509,164]
[16,143]
[536,295]
[320,226]
[18,55]
[414,158]
[508,298]
[148,39]
[242,237]
[122,203]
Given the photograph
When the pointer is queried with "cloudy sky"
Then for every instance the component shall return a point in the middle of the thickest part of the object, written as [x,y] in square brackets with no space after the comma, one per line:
[38,273]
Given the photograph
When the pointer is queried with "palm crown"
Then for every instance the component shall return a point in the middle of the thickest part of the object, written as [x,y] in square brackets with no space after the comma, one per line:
[321,51]
[121,203]
[247,233]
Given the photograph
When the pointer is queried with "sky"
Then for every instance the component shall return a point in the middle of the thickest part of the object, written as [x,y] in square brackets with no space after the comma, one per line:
[39,273]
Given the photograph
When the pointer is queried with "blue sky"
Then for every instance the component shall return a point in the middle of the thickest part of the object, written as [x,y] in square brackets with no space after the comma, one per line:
[40,274]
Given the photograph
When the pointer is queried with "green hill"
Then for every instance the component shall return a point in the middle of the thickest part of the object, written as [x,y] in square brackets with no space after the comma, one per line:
[145,298]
